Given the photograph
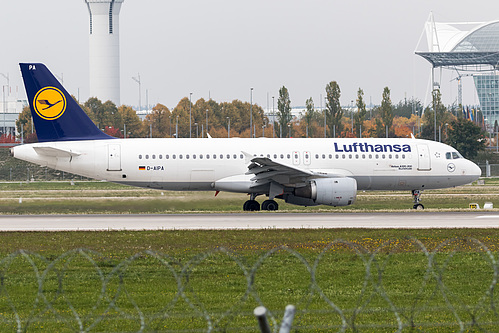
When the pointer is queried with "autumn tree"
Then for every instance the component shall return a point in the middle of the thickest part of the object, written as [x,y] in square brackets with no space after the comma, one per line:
[334,112]
[24,124]
[284,116]
[360,116]
[134,126]
[159,121]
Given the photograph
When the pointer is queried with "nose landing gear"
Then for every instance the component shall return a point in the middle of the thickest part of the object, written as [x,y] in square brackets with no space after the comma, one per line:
[416,196]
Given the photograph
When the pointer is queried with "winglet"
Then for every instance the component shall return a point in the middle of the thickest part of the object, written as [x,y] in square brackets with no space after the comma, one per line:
[412,136]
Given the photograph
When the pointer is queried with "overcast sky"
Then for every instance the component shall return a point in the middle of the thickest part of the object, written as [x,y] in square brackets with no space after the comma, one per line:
[224,47]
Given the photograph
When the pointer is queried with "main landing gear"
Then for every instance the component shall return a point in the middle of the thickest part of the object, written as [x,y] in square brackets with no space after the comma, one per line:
[416,196]
[253,206]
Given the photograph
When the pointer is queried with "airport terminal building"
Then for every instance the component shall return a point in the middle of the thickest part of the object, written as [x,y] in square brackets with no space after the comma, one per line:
[470,49]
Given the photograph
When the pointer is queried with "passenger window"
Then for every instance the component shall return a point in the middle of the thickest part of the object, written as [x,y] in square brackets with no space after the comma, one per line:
[275,155]
[316,156]
[289,156]
[214,156]
[383,156]
[174,156]
[363,156]
[241,156]
[221,156]
[370,156]
[350,156]
[337,156]
[207,156]
[330,156]
[377,156]
[396,156]
[187,156]
[167,156]
[153,157]
[296,156]
[200,156]
[323,156]
[160,156]
[403,156]
[147,157]
[235,156]
[194,156]
[180,156]
[140,157]
[228,156]
[282,156]
[390,156]
[343,156]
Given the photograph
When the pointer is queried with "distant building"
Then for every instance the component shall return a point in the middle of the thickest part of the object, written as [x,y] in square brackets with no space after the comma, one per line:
[10,108]
[472,48]
[104,47]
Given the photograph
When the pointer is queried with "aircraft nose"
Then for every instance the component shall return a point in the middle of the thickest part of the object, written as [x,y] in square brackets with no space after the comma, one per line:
[475,170]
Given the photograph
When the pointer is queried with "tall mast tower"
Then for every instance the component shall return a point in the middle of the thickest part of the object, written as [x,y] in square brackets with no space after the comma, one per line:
[104,49]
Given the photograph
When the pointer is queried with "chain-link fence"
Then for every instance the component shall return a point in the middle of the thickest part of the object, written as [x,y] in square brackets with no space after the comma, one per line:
[343,288]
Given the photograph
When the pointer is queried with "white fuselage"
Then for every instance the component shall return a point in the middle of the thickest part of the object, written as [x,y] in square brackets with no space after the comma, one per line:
[199,164]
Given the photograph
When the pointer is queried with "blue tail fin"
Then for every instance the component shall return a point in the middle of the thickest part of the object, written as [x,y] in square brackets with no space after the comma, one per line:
[56,115]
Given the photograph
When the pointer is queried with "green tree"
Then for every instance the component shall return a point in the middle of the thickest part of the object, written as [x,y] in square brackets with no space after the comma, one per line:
[334,112]
[429,130]
[309,116]
[284,116]
[360,116]
[386,112]
[407,108]
[466,137]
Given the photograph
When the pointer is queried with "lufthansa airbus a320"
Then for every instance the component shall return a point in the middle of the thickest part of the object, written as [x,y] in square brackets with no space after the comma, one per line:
[305,172]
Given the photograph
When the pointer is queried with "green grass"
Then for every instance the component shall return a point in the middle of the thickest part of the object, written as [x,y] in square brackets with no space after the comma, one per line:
[191,280]
[86,197]
[140,273]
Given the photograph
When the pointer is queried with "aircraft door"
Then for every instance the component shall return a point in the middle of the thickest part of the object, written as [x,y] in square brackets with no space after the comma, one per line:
[306,158]
[114,157]
[296,158]
[424,161]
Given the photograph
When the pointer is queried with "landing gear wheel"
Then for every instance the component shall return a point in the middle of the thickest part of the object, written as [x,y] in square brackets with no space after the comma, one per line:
[418,206]
[270,205]
[416,195]
[251,206]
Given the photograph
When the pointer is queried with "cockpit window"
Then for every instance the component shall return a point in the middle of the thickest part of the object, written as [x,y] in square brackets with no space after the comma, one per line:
[452,155]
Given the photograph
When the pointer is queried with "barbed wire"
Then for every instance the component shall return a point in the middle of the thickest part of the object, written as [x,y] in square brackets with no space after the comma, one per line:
[85,291]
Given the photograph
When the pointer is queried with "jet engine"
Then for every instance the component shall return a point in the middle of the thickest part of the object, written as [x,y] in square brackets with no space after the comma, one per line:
[325,191]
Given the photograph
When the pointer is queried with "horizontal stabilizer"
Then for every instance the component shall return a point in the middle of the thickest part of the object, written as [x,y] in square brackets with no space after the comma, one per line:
[55,152]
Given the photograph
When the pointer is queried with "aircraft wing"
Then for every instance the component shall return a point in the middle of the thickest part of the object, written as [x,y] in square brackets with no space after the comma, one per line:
[268,171]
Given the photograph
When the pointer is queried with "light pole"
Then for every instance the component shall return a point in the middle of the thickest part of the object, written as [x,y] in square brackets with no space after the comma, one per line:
[289,131]
[197,132]
[273,118]
[228,127]
[206,122]
[176,129]
[137,79]
[124,130]
[170,121]
[190,112]
[251,112]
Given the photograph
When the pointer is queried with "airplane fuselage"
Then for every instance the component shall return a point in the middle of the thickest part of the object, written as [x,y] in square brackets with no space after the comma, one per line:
[203,164]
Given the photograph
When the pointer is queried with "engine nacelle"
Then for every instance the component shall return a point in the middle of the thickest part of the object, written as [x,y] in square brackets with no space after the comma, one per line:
[325,191]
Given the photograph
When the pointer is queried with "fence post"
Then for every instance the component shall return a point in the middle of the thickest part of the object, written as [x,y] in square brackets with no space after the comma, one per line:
[287,320]
[260,313]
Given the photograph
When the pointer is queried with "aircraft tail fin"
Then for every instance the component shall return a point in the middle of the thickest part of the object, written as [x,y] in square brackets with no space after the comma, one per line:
[56,115]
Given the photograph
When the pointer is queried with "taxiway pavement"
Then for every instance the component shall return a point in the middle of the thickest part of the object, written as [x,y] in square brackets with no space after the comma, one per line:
[408,220]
